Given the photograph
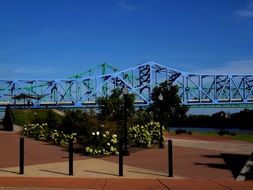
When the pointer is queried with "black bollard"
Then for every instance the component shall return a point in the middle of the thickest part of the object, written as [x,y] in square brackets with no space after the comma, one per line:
[71,157]
[170,158]
[21,156]
[120,157]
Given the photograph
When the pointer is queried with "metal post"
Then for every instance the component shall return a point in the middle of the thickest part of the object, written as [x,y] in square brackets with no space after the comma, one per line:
[125,151]
[160,98]
[70,157]
[21,156]
[161,136]
[120,157]
[170,158]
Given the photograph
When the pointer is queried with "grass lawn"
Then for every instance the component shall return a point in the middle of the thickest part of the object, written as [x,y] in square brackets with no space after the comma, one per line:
[242,137]
[26,116]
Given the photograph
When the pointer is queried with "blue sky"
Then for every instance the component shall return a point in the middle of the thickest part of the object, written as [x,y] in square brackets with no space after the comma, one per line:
[54,39]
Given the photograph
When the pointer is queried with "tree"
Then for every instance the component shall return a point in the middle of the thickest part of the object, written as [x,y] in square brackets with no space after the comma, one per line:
[167,108]
[112,106]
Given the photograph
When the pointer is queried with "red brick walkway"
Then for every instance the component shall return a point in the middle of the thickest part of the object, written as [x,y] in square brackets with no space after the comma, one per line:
[206,169]
[123,184]
[36,152]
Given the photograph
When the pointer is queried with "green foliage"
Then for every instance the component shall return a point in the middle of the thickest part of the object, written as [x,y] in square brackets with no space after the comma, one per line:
[110,126]
[139,136]
[52,119]
[222,120]
[168,109]
[59,137]
[112,107]
[154,129]
[102,143]
[44,133]
[141,117]
[79,122]
[144,135]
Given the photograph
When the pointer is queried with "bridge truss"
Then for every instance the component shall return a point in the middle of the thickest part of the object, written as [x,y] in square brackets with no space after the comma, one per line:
[194,89]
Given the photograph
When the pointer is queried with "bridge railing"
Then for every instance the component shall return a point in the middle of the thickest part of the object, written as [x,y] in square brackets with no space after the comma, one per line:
[194,89]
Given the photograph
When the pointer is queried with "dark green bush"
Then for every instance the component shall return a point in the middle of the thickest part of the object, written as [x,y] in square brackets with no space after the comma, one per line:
[81,123]
[223,132]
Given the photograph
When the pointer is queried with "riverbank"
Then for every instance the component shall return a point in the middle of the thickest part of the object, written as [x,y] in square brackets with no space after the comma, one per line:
[213,130]
[212,136]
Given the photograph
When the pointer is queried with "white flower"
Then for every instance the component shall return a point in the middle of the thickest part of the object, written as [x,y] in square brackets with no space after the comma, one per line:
[93,133]
[104,135]
[107,133]
[108,144]
[114,141]
[97,133]
[114,136]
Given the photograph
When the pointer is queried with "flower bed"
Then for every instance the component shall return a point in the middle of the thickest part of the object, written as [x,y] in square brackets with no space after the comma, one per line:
[99,143]
[102,144]
[145,135]
[44,133]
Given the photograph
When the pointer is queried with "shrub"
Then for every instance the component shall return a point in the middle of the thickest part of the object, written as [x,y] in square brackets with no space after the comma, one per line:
[139,136]
[44,133]
[154,129]
[79,122]
[233,134]
[59,137]
[102,144]
[223,132]
[36,131]
[145,135]
[141,117]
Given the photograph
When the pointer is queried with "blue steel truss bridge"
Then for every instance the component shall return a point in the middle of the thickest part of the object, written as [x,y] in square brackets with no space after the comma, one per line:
[81,91]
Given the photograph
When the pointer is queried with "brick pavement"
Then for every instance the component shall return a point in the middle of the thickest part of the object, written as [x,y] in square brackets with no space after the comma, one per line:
[201,166]
[122,184]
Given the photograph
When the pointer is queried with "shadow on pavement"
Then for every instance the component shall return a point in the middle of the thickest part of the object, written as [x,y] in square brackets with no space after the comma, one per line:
[8,171]
[100,172]
[235,162]
[149,173]
[55,172]
[232,162]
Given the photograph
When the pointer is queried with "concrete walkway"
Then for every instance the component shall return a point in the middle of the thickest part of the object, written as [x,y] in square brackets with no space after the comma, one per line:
[90,168]
[198,164]
[227,146]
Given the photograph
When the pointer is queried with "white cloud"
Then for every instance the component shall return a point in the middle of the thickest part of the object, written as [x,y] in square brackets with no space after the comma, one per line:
[231,67]
[31,71]
[25,71]
[247,11]
[124,7]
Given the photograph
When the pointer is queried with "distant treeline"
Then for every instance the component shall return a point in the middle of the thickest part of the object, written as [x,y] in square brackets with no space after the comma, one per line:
[242,119]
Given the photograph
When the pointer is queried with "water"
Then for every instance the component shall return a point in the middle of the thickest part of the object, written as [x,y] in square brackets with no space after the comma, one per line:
[203,129]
